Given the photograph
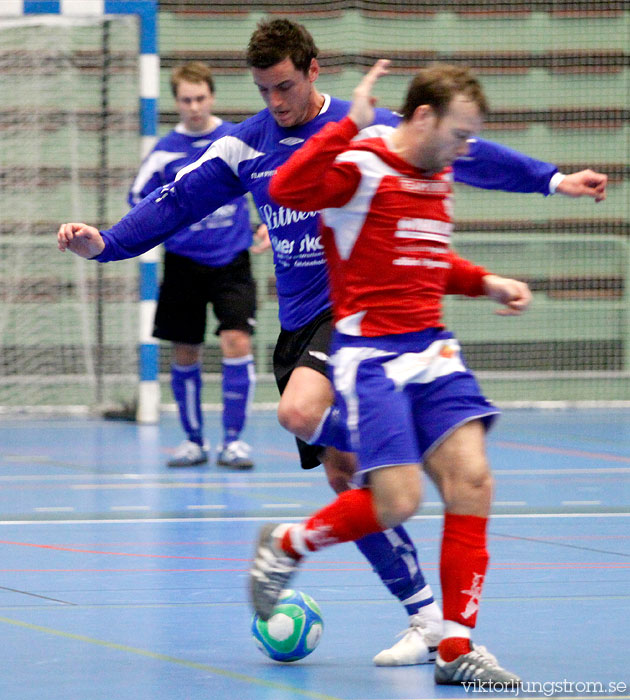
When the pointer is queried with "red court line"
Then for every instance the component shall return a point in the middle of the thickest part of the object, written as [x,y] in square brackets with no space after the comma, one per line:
[426,565]
[563,451]
[119,554]
[541,566]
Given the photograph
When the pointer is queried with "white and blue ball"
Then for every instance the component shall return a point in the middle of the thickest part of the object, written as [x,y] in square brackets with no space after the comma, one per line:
[294,629]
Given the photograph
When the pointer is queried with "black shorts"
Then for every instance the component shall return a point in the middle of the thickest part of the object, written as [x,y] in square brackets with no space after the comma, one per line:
[188,287]
[305,347]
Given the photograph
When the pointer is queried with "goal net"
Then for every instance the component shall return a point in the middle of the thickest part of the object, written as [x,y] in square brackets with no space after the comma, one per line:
[69,148]
[558,79]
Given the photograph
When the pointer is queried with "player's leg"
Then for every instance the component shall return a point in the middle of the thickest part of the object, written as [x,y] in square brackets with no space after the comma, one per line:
[394,558]
[383,430]
[352,515]
[451,418]
[234,305]
[300,365]
[181,318]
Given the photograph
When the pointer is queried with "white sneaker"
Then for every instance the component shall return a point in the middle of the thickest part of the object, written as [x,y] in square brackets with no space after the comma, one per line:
[418,644]
[235,455]
[270,573]
[189,454]
[478,668]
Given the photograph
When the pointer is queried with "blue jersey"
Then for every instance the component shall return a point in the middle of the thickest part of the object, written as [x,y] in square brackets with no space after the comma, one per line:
[244,161]
[218,237]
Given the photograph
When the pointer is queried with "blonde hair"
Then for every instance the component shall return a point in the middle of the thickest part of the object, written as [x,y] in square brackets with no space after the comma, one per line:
[192,72]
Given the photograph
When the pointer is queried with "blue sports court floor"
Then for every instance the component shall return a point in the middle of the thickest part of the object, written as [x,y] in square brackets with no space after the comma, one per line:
[121,579]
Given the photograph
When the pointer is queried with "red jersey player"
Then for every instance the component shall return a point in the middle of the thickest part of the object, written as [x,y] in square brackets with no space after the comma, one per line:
[399,375]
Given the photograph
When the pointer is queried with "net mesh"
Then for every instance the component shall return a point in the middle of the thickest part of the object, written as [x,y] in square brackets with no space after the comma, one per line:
[68,122]
[557,74]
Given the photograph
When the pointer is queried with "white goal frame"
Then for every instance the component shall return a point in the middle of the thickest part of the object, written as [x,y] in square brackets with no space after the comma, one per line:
[148,406]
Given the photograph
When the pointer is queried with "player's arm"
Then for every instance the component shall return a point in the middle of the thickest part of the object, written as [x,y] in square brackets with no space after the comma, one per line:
[493,166]
[261,239]
[474,280]
[198,190]
[312,179]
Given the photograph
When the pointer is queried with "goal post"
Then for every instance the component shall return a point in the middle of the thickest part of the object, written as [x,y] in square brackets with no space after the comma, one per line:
[147,399]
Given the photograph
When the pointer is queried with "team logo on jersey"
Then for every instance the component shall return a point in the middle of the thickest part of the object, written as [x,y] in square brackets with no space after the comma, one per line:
[291,141]
[472,606]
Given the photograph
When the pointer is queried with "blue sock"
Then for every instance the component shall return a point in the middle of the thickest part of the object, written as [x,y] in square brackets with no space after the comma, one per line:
[332,431]
[393,557]
[239,380]
[186,385]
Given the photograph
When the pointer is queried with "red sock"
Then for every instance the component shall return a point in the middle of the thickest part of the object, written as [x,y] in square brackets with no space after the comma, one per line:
[452,647]
[463,565]
[350,517]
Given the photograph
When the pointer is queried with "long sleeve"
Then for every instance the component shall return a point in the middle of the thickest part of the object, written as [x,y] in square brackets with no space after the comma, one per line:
[206,186]
[311,180]
[492,166]
[465,277]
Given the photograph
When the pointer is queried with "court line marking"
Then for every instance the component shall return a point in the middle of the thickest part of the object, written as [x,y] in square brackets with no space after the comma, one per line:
[567,452]
[36,595]
[283,518]
[293,474]
[232,675]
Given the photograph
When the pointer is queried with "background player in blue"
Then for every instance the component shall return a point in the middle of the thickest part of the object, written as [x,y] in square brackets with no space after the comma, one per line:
[283,59]
[207,262]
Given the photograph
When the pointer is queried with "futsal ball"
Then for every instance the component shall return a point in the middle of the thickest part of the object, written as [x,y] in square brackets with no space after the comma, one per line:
[293,630]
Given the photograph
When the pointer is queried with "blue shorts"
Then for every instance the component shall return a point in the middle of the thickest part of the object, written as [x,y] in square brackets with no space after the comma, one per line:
[402,395]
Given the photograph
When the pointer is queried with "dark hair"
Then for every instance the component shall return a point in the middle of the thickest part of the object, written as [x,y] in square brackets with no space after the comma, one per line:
[437,84]
[192,72]
[277,39]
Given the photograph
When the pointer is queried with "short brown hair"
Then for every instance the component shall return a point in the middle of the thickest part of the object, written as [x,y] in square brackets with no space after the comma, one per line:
[277,39]
[437,84]
[192,72]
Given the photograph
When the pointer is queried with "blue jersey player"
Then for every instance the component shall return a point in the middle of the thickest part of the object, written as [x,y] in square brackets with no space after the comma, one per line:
[283,59]
[204,263]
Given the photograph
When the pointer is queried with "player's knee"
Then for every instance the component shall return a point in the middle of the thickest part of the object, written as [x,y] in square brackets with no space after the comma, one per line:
[235,343]
[469,487]
[477,479]
[398,508]
[298,417]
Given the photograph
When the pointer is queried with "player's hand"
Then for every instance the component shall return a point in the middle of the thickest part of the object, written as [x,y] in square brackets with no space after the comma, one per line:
[86,241]
[363,102]
[513,294]
[262,242]
[585,183]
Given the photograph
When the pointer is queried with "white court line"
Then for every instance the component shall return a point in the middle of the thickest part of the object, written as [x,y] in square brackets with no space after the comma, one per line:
[54,509]
[281,518]
[581,503]
[206,507]
[310,474]
[282,505]
[118,508]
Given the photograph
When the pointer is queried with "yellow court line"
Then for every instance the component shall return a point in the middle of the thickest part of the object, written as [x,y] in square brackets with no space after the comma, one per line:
[169,659]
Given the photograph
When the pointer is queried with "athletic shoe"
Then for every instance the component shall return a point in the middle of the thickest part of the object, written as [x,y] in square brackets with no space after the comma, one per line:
[418,645]
[270,572]
[189,454]
[235,455]
[478,667]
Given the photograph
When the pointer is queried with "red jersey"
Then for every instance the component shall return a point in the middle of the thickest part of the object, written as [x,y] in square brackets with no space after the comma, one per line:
[386,231]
